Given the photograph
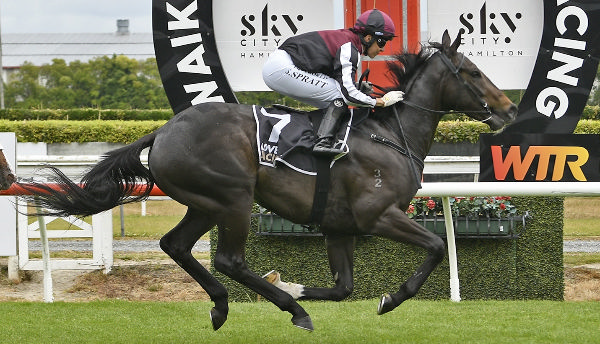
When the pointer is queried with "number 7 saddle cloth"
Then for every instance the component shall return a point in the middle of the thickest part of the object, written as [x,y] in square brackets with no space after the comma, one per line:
[287,136]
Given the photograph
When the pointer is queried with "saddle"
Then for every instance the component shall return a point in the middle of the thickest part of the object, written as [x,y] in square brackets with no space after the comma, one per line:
[286,135]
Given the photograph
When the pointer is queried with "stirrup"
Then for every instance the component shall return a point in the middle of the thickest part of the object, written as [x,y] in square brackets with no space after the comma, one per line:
[326,147]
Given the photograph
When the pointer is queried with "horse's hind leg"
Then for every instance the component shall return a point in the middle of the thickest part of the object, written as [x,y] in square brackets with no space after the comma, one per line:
[230,260]
[178,244]
[340,251]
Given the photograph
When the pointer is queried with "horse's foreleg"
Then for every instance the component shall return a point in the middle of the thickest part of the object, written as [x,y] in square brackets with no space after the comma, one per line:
[230,260]
[394,224]
[340,251]
[178,244]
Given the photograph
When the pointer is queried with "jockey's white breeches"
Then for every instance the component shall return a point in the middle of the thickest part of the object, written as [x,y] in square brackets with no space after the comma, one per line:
[316,89]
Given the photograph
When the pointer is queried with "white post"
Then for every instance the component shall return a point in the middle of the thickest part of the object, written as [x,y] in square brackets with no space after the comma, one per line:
[102,239]
[48,294]
[13,269]
[452,260]
[143,208]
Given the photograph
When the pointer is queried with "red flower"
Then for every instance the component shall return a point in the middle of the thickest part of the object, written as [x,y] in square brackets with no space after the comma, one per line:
[431,204]
[411,209]
[502,206]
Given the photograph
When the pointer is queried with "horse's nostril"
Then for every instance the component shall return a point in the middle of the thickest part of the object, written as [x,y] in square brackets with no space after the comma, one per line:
[513,111]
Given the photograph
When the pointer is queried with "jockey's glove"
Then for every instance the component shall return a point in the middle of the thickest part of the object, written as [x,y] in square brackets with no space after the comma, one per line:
[392,98]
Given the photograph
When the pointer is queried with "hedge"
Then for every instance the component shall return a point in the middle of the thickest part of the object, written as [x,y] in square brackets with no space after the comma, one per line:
[52,131]
[85,114]
[530,267]
[589,112]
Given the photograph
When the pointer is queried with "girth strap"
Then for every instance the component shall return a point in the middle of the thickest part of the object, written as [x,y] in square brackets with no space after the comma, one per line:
[397,147]
[321,189]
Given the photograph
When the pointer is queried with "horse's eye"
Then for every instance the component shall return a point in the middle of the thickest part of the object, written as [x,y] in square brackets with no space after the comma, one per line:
[476,74]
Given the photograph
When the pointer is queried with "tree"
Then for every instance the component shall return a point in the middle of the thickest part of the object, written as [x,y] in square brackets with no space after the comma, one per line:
[116,82]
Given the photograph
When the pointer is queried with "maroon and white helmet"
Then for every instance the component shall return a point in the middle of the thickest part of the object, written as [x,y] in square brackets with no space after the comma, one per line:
[376,23]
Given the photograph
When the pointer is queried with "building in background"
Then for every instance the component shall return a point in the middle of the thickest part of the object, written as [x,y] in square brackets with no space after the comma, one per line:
[42,48]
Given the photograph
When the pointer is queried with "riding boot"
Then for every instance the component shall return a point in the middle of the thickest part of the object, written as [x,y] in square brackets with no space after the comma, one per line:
[328,129]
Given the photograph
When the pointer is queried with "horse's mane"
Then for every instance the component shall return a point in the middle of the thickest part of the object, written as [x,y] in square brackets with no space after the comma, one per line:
[406,64]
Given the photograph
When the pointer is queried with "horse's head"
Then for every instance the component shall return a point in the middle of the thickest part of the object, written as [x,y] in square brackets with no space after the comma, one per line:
[467,89]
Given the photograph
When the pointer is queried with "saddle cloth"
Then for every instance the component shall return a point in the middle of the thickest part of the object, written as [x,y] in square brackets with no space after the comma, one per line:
[288,137]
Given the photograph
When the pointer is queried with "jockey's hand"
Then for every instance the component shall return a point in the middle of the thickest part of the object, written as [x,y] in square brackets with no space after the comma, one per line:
[365,87]
[392,98]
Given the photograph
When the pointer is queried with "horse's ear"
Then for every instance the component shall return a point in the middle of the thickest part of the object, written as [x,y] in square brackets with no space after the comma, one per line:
[446,41]
[456,42]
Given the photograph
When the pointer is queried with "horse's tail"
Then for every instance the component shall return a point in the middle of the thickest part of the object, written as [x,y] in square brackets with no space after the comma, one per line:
[111,182]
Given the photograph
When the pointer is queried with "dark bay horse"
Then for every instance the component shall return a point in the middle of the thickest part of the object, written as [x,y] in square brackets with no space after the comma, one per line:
[206,158]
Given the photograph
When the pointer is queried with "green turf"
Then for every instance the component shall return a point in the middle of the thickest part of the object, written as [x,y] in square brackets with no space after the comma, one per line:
[346,322]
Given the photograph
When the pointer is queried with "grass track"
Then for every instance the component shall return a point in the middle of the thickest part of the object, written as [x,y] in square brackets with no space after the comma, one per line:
[347,322]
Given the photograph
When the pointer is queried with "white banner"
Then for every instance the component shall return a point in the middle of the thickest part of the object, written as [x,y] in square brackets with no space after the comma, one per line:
[247,31]
[500,36]
[8,213]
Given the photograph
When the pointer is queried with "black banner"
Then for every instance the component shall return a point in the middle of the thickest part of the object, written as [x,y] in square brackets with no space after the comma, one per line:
[539,157]
[186,53]
[565,68]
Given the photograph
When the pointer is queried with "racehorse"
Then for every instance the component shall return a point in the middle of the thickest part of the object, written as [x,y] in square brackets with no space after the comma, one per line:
[205,157]
[7,177]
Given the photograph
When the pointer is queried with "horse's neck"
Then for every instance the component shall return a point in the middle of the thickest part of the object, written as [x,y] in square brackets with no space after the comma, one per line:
[419,125]
[419,128]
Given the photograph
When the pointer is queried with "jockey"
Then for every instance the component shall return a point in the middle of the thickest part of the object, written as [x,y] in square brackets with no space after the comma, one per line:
[319,68]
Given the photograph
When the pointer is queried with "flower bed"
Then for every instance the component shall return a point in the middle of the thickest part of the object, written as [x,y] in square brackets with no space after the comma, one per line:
[473,217]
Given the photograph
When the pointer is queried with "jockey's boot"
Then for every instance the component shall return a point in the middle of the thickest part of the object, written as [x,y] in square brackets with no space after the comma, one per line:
[328,129]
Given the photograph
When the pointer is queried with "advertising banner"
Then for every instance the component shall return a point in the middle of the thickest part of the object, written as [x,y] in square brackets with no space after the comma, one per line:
[8,213]
[247,31]
[565,69]
[540,157]
[186,53]
[500,36]
[206,50]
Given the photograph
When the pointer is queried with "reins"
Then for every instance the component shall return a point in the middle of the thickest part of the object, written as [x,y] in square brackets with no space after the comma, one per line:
[406,151]
[410,156]
[456,72]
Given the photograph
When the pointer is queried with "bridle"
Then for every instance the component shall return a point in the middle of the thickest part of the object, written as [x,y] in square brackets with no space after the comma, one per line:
[456,72]
[475,92]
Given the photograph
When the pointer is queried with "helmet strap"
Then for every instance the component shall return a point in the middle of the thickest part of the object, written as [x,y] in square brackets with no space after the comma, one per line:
[366,45]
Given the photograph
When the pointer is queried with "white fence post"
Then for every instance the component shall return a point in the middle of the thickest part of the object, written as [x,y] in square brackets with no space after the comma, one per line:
[48,292]
[102,239]
[13,269]
[452,259]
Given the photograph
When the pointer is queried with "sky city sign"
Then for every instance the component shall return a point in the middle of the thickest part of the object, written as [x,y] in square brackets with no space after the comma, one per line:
[206,50]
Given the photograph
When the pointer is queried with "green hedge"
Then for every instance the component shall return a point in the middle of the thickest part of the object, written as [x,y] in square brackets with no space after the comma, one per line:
[589,112]
[51,131]
[85,114]
[530,267]
[460,131]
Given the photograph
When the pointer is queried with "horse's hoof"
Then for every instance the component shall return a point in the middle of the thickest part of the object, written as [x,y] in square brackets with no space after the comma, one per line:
[386,304]
[303,322]
[218,318]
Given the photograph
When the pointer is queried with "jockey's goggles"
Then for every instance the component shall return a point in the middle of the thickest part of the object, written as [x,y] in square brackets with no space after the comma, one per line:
[381,42]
